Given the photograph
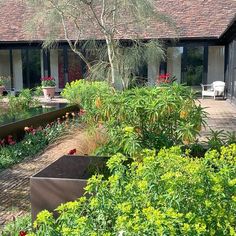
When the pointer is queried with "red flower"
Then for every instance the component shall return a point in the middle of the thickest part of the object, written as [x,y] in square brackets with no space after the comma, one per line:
[167,75]
[12,142]
[72,152]
[22,233]
[47,78]
[8,140]
[162,76]
[82,112]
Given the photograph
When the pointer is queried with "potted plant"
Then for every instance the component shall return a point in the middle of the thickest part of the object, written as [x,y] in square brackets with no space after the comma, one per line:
[48,86]
[3,80]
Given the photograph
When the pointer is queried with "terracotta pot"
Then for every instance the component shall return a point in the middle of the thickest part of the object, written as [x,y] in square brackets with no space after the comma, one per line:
[49,92]
[1,90]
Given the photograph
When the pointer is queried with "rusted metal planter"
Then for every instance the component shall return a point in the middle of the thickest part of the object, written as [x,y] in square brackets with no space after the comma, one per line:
[62,181]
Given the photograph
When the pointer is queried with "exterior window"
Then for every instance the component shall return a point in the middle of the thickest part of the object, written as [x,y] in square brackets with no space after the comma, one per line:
[31,67]
[192,68]
[174,61]
[69,67]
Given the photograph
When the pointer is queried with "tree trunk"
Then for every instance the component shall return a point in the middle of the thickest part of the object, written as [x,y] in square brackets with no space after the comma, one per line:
[110,50]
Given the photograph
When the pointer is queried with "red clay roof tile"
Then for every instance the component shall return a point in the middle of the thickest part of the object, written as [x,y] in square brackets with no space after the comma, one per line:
[193,18]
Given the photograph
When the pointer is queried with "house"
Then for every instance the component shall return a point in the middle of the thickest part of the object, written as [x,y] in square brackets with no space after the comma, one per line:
[204,51]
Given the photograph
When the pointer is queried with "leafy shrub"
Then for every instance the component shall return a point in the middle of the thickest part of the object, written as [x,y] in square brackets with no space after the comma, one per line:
[24,101]
[164,194]
[84,92]
[159,116]
[218,138]
[38,91]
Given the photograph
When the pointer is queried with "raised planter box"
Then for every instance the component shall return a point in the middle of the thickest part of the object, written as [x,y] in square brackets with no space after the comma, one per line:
[62,181]
[35,117]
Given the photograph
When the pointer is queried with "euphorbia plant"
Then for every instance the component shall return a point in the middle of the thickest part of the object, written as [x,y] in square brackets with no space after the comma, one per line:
[48,81]
[167,193]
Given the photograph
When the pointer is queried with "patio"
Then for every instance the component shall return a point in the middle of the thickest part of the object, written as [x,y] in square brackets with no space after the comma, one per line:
[221,115]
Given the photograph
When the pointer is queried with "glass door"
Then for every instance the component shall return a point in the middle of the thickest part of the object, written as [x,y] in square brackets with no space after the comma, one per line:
[69,67]
[31,66]
[192,66]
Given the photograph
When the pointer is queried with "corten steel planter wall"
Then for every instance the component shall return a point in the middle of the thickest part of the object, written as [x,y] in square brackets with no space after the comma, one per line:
[16,128]
[62,181]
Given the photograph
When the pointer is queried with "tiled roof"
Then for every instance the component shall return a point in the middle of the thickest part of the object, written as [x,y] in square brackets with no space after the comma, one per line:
[193,19]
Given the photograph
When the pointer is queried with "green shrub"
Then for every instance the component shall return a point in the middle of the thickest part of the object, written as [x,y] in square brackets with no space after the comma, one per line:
[24,101]
[85,92]
[164,194]
[218,138]
[159,116]
[38,91]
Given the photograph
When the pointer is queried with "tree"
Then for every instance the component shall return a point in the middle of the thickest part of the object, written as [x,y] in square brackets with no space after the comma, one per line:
[108,20]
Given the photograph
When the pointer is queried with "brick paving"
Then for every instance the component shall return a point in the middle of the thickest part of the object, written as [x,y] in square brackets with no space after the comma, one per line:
[221,115]
[14,182]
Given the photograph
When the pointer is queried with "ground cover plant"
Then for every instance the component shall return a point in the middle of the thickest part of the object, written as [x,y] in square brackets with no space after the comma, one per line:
[168,193]
[34,142]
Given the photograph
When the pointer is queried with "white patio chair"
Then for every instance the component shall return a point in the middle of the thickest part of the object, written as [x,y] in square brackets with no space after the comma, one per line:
[217,88]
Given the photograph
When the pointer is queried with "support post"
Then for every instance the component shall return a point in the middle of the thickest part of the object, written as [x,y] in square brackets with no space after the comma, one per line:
[65,64]
[205,65]
[11,69]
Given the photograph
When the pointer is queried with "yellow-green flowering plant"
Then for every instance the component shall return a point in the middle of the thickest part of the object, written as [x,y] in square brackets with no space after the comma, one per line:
[167,193]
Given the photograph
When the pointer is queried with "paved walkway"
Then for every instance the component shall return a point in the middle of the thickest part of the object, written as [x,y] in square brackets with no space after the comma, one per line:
[14,182]
[221,115]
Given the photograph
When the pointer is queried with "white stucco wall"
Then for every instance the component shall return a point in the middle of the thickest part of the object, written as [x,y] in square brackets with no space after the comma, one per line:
[17,70]
[153,72]
[54,66]
[215,64]
[174,55]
